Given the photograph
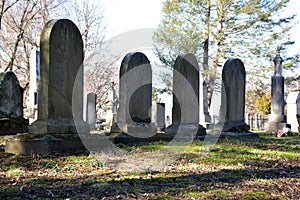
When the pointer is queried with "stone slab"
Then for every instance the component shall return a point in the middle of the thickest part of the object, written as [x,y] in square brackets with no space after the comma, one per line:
[28,144]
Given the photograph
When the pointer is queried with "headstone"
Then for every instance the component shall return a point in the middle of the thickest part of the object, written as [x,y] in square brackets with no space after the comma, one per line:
[158,115]
[91,110]
[33,84]
[135,96]
[232,110]
[55,131]
[293,108]
[205,118]
[11,105]
[277,119]
[185,111]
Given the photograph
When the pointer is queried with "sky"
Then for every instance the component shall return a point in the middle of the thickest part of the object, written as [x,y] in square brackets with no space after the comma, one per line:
[127,15]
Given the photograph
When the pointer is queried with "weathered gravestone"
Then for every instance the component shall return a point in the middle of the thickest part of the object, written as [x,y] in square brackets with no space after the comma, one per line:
[293,109]
[277,119]
[61,51]
[232,112]
[135,96]
[11,105]
[158,115]
[91,110]
[185,111]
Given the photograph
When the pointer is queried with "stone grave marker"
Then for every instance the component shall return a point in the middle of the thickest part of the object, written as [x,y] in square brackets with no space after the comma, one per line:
[55,130]
[11,105]
[232,112]
[185,111]
[135,96]
[277,119]
[91,110]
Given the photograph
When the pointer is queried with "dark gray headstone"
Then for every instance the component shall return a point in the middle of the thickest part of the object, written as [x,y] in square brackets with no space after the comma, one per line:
[185,111]
[135,96]
[277,119]
[11,105]
[59,97]
[11,96]
[135,89]
[232,113]
[61,51]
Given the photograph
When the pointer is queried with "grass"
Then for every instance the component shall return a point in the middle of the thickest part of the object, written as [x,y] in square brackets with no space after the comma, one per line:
[264,168]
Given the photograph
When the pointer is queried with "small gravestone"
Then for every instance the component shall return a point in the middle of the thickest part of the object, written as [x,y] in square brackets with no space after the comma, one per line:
[232,112]
[135,96]
[277,119]
[55,131]
[185,111]
[158,115]
[91,110]
[11,105]
[293,108]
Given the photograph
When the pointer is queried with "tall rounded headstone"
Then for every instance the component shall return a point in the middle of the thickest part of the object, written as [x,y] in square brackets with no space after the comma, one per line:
[135,95]
[185,111]
[59,96]
[232,112]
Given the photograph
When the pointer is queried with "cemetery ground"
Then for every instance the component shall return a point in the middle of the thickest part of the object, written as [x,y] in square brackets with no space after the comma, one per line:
[264,168]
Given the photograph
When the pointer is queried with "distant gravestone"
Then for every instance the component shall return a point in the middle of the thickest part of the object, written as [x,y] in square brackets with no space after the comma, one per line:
[158,115]
[277,119]
[11,105]
[185,112]
[91,110]
[135,96]
[232,113]
[293,108]
[61,51]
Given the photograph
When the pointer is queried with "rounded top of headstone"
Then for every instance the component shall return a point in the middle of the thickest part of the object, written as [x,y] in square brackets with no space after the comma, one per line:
[233,63]
[55,25]
[131,60]
[9,76]
[187,58]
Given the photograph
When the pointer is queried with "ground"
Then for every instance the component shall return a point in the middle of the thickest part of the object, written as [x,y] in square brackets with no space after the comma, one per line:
[264,168]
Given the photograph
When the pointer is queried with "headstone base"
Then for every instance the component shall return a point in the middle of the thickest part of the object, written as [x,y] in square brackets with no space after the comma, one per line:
[187,129]
[139,130]
[238,135]
[50,144]
[236,127]
[273,127]
[62,126]
[11,126]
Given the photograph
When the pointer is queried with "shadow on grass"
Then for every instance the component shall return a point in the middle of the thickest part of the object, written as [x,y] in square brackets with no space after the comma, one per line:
[177,185]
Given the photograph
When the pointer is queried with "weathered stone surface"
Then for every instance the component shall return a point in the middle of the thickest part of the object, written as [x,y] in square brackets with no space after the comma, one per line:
[158,115]
[135,89]
[11,96]
[185,112]
[135,96]
[11,105]
[61,50]
[91,110]
[60,97]
[233,97]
